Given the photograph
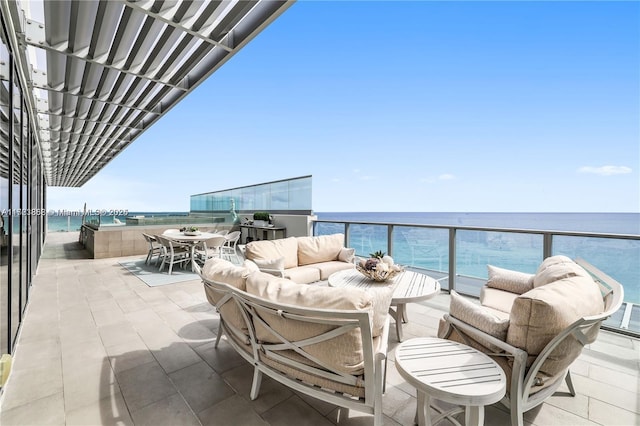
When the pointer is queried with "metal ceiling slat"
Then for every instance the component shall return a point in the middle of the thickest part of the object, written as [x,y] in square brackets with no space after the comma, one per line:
[147,7]
[114,67]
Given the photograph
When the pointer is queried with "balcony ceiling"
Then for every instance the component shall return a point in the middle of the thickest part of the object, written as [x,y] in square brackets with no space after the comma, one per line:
[115,67]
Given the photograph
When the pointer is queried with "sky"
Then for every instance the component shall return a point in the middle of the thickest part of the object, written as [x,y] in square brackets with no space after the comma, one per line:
[406,106]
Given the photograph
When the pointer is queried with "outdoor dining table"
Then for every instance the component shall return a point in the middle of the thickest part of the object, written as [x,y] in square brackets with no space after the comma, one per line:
[191,238]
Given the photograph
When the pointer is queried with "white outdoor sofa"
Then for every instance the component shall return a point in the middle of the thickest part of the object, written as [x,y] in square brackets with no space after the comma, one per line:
[329,343]
[301,259]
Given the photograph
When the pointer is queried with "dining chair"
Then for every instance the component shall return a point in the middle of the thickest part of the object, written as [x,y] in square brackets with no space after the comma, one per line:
[173,252]
[155,248]
[211,247]
[229,247]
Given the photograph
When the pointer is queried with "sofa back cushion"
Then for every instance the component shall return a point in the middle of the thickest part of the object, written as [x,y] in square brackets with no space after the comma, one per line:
[539,315]
[223,271]
[286,248]
[344,352]
[318,249]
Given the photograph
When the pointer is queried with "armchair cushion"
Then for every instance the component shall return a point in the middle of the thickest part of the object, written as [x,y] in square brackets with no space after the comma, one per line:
[478,317]
[555,268]
[542,313]
[508,280]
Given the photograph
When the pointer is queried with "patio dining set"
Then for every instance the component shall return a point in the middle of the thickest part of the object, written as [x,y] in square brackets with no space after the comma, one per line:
[176,247]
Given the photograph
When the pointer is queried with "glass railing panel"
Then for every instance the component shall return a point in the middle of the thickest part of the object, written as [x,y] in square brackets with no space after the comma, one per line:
[327,228]
[477,249]
[617,258]
[367,239]
[424,248]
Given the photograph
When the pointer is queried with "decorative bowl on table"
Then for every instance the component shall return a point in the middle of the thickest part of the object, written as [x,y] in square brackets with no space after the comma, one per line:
[191,231]
[380,268]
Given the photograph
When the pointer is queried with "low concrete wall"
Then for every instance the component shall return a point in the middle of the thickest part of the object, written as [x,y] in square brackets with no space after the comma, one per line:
[119,241]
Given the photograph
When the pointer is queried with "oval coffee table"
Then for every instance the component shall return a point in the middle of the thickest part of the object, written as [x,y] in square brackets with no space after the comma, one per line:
[451,372]
[410,286]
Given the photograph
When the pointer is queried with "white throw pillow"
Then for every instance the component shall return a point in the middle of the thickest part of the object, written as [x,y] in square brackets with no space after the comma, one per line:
[277,264]
[347,255]
[478,317]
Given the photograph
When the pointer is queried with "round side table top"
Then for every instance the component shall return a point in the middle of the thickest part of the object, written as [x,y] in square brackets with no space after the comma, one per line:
[450,371]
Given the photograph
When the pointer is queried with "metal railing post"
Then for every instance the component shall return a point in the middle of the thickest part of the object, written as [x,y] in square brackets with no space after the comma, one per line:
[452,258]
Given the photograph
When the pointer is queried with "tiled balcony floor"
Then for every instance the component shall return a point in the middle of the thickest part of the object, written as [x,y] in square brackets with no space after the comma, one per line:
[98,346]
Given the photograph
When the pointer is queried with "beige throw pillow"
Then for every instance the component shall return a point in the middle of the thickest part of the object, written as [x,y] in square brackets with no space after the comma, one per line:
[508,280]
[478,317]
[347,255]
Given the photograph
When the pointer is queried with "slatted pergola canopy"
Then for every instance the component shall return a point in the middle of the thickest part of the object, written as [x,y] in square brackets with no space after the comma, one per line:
[115,67]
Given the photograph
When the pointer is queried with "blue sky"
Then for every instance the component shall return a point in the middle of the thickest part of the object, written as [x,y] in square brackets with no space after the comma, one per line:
[407,106]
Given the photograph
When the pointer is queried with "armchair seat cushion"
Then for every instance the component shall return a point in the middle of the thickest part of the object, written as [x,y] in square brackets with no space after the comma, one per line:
[497,299]
[479,317]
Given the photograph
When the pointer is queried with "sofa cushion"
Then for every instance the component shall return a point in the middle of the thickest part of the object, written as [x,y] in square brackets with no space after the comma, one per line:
[508,280]
[322,248]
[478,317]
[250,265]
[555,268]
[344,352]
[223,271]
[328,268]
[273,249]
[540,314]
[303,274]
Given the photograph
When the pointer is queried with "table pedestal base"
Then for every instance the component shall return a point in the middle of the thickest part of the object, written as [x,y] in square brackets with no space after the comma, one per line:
[473,414]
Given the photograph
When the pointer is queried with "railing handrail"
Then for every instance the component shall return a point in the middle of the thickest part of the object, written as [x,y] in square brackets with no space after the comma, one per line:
[490,229]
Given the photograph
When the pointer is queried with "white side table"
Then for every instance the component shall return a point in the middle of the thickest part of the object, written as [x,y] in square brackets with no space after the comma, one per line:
[451,372]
